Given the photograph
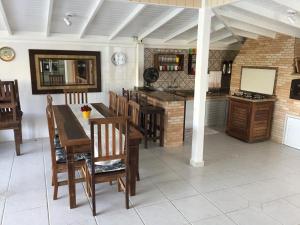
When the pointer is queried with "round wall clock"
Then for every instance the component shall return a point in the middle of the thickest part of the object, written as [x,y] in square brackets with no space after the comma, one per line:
[119,58]
[7,54]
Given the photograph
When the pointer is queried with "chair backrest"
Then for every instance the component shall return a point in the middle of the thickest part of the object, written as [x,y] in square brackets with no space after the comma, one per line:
[134,113]
[76,96]
[126,93]
[56,79]
[8,99]
[113,101]
[122,106]
[111,138]
[7,91]
[51,128]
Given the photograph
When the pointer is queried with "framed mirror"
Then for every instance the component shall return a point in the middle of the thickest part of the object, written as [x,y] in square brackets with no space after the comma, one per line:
[53,71]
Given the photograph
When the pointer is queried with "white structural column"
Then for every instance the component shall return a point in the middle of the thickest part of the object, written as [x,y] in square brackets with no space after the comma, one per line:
[139,69]
[203,41]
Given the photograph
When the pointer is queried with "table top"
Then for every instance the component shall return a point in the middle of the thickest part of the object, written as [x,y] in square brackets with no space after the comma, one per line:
[70,130]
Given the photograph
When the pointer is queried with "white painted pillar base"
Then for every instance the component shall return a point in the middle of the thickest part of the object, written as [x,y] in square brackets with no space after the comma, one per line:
[203,42]
[196,164]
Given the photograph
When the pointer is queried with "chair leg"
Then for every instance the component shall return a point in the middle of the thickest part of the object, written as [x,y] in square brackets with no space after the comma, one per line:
[55,185]
[127,192]
[93,197]
[17,141]
[21,134]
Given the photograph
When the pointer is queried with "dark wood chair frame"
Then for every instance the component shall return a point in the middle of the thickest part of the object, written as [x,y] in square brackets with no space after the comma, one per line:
[57,167]
[121,123]
[10,111]
[76,96]
[113,101]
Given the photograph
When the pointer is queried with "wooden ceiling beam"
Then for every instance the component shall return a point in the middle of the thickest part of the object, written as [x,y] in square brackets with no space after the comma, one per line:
[4,18]
[163,19]
[49,17]
[181,30]
[251,18]
[233,23]
[129,18]
[91,17]
[293,4]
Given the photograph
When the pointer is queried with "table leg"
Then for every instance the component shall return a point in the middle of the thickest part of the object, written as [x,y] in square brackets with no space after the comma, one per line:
[71,178]
[146,130]
[133,165]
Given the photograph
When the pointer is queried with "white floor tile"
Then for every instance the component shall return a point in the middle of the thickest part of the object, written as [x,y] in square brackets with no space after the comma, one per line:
[196,208]
[283,212]
[147,194]
[130,217]
[176,189]
[235,173]
[294,199]
[161,214]
[250,217]
[37,216]
[205,184]
[227,200]
[218,220]
[19,201]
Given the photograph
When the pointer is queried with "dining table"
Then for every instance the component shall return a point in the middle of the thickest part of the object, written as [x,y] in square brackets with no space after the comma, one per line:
[75,140]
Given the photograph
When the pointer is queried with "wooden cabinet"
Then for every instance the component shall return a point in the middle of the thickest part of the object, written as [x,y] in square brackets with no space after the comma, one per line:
[250,120]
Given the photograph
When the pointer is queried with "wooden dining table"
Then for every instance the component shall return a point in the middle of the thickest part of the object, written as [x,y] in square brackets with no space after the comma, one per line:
[75,140]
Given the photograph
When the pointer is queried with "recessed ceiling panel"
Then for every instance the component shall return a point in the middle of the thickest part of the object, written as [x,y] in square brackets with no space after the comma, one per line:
[80,9]
[192,33]
[145,19]
[109,17]
[26,15]
[184,18]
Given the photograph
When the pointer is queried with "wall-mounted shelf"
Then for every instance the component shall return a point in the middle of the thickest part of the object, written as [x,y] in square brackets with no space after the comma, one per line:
[169,62]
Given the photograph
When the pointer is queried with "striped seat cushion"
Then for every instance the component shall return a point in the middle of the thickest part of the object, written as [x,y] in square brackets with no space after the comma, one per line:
[109,167]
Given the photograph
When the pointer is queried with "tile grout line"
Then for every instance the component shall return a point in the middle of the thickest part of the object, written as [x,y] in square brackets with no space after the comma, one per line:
[5,196]
[45,182]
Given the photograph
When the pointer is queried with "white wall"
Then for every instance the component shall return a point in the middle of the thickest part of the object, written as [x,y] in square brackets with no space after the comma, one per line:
[33,106]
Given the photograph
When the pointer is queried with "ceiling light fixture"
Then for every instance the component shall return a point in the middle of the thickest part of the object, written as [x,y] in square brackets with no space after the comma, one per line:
[67,19]
[291,14]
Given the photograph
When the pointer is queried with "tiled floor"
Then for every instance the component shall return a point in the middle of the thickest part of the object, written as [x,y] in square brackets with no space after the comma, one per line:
[245,184]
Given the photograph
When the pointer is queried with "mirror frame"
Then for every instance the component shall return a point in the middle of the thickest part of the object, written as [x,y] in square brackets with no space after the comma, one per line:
[36,54]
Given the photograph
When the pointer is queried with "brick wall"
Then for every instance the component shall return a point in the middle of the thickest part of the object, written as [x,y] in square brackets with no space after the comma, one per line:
[278,52]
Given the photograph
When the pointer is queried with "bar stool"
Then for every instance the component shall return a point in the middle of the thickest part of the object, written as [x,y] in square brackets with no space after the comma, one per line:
[153,124]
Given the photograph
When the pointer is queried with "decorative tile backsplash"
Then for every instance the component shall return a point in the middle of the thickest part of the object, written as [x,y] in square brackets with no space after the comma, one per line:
[181,79]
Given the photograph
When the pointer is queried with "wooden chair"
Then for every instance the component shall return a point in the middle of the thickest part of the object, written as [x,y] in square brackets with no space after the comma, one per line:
[134,119]
[76,96]
[58,155]
[126,94]
[57,79]
[10,111]
[111,162]
[113,101]
[122,106]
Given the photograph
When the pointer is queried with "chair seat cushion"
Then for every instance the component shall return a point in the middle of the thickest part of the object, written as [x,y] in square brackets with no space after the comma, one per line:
[116,166]
[61,156]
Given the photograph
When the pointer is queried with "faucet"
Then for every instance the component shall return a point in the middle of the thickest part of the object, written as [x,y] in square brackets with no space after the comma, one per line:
[173,83]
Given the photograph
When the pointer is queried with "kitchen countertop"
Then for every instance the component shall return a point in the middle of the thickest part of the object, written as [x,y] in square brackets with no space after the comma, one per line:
[163,96]
[177,95]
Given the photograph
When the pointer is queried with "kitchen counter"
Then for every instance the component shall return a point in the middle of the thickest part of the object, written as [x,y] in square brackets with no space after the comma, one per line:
[163,95]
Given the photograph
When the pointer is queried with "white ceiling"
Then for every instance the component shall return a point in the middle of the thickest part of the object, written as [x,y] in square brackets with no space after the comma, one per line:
[115,19]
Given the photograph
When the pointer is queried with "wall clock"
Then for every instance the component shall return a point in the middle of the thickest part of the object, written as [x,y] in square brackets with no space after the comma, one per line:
[119,58]
[7,54]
